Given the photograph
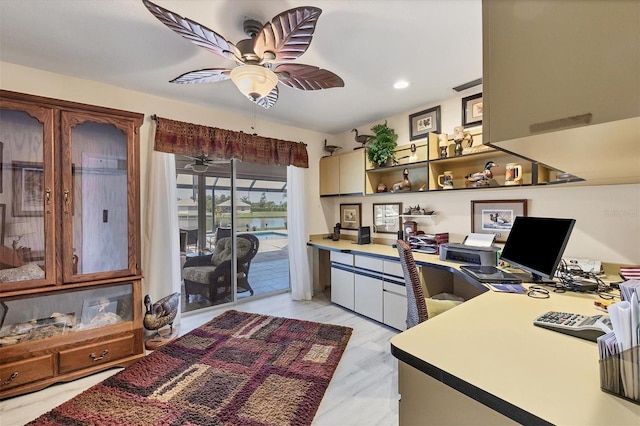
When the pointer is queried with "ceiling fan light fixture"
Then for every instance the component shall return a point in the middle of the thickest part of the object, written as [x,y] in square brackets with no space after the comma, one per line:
[254,81]
[199,168]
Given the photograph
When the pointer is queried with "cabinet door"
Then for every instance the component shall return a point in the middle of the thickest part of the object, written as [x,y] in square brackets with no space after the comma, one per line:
[368,296]
[27,207]
[550,60]
[330,175]
[99,196]
[561,82]
[342,292]
[352,172]
[395,310]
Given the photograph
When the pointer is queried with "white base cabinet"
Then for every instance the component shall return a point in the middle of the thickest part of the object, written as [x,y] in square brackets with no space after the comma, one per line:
[342,291]
[370,286]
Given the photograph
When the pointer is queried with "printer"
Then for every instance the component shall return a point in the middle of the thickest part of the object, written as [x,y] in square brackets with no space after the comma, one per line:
[476,249]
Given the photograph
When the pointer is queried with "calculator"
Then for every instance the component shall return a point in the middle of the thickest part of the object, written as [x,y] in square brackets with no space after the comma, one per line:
[582,326]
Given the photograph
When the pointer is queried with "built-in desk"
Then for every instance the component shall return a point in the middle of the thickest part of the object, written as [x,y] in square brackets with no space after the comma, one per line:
[484,362]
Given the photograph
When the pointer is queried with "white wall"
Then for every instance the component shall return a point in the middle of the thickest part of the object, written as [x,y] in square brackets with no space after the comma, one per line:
[41,83]
[608,217]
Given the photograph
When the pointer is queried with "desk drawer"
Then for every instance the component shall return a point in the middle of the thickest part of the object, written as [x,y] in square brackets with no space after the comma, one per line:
[346,258]
[99,353]
[26,371]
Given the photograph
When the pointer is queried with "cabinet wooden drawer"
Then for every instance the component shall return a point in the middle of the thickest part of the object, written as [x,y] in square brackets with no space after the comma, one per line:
[26,371]
[99,353]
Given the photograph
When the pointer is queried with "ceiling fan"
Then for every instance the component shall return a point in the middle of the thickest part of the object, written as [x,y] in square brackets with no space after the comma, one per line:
[258,58]
[201,163]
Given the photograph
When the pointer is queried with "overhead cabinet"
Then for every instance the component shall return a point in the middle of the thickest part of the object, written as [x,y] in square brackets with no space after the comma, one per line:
[70,254]
[342,174]
[561,84]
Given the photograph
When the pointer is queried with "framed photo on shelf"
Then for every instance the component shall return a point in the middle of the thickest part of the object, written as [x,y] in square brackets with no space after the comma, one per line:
[350,216]
[28,183]
[100,308]
[386,217]
[424,122]
[472,110]
[496,216]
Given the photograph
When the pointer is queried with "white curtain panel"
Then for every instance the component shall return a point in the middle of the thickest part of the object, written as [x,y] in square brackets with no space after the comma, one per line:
[161,264]
[301,286]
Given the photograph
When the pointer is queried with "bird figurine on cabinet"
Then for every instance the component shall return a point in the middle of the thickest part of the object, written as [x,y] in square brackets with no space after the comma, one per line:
[361,139]
[330,148]
[158,315]
[404,184]
[482,178]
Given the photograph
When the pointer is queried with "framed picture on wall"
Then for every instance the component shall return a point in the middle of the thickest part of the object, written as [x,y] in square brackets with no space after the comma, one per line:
[472,110]
[424,122]
[350,216]
[386,217]
[496,216]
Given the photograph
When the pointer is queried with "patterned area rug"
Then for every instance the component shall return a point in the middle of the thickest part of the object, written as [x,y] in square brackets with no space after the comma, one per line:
[238,369]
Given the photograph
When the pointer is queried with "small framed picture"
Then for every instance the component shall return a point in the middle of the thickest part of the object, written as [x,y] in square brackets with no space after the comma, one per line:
[496,216]
[424,122]
[101,310]
[386,217]
[350,216]
[472,110]
[28,184]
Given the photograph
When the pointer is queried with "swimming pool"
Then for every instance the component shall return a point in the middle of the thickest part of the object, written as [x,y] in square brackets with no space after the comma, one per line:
[270,235]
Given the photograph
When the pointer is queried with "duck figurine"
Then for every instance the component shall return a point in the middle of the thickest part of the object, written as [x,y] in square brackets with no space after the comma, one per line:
[161,313]
[330,148]
[482,178]
[404,184]
[361,139]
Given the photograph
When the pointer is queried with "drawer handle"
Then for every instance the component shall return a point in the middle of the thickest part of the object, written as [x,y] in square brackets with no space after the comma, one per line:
[94,357]
[13,376]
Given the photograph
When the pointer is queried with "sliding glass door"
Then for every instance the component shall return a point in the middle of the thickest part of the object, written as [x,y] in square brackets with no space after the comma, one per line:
[213,204]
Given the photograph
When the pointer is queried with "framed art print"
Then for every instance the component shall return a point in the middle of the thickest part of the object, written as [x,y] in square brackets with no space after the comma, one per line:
[496,216]
[472,110]
[424,122]
[350,216]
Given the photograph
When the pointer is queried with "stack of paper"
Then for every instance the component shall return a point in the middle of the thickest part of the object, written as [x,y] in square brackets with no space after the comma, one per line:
[620,349]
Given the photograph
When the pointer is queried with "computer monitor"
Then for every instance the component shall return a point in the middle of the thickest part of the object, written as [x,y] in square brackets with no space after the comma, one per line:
[536,245]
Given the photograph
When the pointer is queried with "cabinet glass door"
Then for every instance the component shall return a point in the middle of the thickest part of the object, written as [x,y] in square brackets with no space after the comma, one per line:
[96,197]
[26,197]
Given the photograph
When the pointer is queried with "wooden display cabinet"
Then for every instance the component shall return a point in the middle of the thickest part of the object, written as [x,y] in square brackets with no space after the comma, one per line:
[71,197]
[62,335]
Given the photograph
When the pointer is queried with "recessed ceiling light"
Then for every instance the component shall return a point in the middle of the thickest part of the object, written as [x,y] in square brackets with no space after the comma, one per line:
[401,84]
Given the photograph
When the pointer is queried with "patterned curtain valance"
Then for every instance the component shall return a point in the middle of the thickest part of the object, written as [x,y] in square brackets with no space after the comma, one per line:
[178,137]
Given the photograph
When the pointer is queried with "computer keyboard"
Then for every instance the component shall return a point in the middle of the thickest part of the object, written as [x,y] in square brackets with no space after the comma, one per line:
[582,326]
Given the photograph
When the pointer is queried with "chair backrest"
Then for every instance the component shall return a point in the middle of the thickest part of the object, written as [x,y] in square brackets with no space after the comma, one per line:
[246,250]
[222,232]
[416,304]
[191,237]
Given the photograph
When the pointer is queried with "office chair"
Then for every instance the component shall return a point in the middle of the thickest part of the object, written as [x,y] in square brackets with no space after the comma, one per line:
[419,308]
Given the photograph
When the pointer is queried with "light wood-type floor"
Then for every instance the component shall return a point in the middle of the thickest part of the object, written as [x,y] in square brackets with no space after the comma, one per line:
[363,390]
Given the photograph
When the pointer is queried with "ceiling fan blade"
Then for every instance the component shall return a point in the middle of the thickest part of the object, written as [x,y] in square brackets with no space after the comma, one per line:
[288,35]
[207,75]
[194,32]
[307,77]
[269,100]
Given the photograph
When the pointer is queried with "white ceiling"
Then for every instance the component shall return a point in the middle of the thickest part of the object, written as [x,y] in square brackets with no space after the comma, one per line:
[434,44]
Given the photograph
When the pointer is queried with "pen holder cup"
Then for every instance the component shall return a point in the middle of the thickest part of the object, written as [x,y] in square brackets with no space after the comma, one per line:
[620,374]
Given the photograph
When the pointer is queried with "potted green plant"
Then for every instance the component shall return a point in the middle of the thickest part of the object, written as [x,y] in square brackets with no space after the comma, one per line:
[381,146]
